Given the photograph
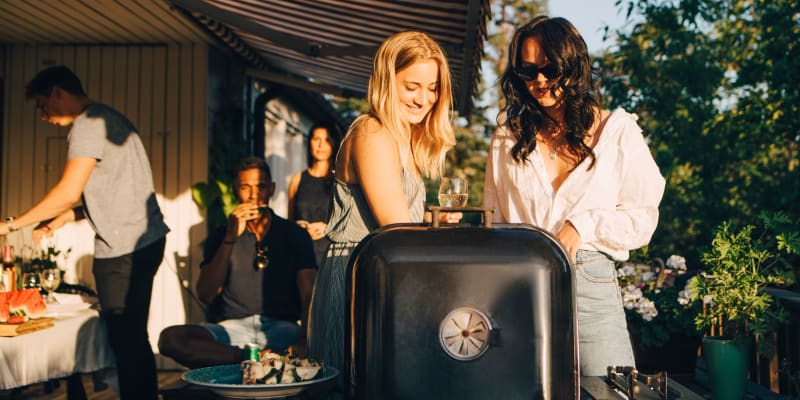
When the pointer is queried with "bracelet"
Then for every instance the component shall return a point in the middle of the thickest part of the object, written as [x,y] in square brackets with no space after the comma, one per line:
[10,224]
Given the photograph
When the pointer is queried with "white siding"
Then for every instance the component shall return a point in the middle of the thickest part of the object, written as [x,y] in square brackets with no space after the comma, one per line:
[284,148]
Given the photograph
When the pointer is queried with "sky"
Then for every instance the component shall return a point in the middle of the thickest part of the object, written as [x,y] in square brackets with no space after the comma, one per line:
[589,16]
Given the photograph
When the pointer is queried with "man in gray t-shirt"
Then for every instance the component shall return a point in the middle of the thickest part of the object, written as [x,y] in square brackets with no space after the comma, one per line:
[107,170]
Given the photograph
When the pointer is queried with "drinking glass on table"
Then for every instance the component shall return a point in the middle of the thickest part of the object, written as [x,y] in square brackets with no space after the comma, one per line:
[51,278]
[453,192]
[31,280]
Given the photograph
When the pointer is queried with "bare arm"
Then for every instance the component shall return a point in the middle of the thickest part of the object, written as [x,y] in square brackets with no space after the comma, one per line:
[61,197]
[570,238]
[305,286]
[377,167]
[212,274]
[46,228]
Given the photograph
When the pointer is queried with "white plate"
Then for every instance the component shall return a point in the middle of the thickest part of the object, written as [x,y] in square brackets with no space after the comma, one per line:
[225,380]
[56,310]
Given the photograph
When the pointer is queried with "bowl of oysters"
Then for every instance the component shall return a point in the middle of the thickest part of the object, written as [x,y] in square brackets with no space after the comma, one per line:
[273,375]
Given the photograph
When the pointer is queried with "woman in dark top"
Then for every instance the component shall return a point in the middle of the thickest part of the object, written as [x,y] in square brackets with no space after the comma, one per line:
[310,189]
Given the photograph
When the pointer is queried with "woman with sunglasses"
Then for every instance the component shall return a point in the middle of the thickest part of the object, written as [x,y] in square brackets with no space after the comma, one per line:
[561,162]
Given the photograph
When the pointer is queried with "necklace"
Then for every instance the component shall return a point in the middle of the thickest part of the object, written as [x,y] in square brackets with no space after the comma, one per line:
[555,149]
[551,141]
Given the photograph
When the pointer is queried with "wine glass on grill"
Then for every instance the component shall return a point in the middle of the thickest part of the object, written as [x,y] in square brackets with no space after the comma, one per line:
[51,278]
[453,193]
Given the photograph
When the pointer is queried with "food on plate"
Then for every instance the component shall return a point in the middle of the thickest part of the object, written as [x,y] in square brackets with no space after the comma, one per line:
[21,305]
[272,368]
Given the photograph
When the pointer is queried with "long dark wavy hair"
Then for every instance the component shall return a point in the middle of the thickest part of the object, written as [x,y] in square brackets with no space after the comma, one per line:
[524,116]
[334,135]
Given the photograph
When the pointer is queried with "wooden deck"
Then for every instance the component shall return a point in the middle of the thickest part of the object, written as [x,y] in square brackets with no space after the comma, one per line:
[42,391]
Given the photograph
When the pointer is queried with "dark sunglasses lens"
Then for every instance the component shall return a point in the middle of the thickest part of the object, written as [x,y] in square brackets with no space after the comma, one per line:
[530,73]
[261,261]
[550,71]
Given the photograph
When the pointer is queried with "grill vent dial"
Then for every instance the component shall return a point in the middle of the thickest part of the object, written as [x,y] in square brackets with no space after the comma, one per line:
[464,333]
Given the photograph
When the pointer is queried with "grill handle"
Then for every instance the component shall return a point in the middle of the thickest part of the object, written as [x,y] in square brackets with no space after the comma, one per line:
[486,214]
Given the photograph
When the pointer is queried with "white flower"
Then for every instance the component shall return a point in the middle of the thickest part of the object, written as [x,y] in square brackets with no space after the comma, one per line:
[676,262]
[627,269]
[707,299]
[630,296]
[647,309]
[684,296]
[648,276]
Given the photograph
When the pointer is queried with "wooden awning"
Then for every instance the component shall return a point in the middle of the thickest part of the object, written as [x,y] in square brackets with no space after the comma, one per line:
[318,45]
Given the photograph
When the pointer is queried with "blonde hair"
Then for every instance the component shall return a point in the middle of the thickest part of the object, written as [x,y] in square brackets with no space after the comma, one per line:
[434,136]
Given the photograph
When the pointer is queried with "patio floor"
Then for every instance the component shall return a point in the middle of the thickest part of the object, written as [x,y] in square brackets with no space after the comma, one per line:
[40,391]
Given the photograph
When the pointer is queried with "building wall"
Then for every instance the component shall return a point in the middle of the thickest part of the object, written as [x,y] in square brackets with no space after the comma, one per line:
[163,89]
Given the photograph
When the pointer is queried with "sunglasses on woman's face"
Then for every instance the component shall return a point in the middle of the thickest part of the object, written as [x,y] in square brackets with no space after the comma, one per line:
[530,72]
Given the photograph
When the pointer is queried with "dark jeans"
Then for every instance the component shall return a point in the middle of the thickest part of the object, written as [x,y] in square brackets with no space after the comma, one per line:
[124,285]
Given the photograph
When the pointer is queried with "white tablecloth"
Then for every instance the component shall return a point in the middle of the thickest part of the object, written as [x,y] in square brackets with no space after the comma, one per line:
[74,344]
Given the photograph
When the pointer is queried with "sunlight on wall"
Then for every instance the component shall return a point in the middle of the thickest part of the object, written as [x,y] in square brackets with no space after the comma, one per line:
[285,152]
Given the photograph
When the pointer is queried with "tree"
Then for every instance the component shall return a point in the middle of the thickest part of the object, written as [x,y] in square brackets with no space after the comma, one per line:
[468,158]
[714,83]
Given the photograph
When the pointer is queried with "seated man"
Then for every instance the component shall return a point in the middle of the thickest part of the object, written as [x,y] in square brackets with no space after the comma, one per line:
[257,276]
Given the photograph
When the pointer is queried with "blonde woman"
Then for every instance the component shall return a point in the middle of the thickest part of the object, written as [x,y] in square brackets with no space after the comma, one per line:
[379,169]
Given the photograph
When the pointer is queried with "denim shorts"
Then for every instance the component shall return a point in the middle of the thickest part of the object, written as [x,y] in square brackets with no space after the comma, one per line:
[264,331]
[602,330]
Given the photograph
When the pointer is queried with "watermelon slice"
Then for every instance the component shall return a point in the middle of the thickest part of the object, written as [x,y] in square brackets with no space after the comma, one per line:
[21,305]
[4,311]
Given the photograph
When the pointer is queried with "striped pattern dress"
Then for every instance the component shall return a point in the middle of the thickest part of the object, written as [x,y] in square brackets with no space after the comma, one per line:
[351,220]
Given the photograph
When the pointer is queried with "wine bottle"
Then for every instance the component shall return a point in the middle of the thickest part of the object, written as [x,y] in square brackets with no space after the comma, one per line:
[9,276]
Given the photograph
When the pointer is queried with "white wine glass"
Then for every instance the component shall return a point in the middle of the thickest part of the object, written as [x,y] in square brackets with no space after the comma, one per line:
[453,193]
[50,279]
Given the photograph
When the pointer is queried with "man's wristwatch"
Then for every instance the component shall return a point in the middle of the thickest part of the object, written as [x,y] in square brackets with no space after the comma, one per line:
[10,224]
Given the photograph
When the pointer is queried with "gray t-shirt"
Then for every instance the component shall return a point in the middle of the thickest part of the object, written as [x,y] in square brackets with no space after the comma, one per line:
[119,199]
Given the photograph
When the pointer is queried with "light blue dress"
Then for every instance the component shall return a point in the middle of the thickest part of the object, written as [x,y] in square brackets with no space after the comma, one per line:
[351,220]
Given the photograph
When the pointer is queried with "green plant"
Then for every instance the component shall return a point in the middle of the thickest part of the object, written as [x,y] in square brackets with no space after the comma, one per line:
[226,150]
[43,259]
[742,262]
[217,198]
[656,308]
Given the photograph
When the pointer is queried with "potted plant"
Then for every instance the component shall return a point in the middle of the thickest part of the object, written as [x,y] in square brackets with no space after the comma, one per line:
[660,316]
[741,263]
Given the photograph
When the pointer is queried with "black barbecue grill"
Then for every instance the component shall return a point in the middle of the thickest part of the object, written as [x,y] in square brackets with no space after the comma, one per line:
[462,313]
[465,312]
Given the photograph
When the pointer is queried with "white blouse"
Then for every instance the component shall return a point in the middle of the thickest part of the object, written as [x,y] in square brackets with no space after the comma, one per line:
[613,206]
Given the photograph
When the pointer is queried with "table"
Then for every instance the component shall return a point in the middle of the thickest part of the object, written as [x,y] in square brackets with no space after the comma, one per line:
[74,344]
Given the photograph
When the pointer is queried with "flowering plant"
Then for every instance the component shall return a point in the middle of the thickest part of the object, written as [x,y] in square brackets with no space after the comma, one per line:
[44,258]
[657,300]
